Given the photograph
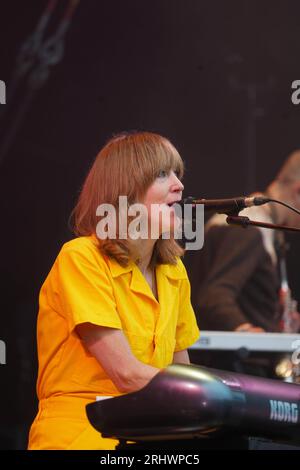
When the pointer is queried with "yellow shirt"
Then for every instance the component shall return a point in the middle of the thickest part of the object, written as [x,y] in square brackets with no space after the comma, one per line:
[85,286]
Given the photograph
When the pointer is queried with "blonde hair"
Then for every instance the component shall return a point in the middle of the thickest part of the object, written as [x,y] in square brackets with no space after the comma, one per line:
[127,165]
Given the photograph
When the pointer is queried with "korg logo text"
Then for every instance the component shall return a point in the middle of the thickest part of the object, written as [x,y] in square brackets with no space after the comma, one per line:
[283,411]
[2,92]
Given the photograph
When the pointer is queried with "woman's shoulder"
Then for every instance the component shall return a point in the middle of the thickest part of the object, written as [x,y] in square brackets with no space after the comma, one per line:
[84,247]
[175,271]
[80,243]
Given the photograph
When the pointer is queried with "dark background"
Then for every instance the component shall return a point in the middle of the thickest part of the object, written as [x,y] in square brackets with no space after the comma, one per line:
[214,77]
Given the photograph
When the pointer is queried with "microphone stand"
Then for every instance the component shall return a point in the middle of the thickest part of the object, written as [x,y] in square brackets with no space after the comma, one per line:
[245,221]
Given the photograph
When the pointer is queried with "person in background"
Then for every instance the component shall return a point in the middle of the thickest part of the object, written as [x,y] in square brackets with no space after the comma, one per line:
[113,311]
[235,277]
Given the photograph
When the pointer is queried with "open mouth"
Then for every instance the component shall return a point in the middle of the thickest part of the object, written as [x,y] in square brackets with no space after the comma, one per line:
[170,204]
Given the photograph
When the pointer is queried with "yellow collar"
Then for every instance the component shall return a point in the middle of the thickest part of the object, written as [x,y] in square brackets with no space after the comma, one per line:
[171,271]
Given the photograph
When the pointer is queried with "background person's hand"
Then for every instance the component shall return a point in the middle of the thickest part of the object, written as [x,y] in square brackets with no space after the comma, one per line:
[249,328]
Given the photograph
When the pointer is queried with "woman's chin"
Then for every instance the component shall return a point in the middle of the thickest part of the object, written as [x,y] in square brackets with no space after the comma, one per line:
[172,231]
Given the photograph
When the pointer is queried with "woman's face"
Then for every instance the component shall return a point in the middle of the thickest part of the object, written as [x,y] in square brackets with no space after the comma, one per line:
[163,192]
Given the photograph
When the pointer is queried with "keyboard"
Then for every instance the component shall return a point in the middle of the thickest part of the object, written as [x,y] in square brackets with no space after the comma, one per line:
[230,340]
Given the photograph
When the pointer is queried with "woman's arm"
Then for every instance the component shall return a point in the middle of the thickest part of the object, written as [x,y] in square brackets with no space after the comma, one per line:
[181,357]
[111,349]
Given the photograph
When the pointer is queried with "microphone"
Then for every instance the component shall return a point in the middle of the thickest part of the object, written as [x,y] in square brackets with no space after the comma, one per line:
[227,205]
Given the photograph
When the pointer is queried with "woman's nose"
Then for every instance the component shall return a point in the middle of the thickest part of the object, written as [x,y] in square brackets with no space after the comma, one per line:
[176,184]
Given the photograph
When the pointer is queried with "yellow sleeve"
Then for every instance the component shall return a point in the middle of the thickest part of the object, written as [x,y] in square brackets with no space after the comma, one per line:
[84,290]
[187,331]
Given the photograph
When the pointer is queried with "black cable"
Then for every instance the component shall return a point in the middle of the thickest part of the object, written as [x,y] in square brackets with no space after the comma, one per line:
[285,204]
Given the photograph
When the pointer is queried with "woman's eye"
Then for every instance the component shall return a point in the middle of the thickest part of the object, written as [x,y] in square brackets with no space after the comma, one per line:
[177,173]
[162,174]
